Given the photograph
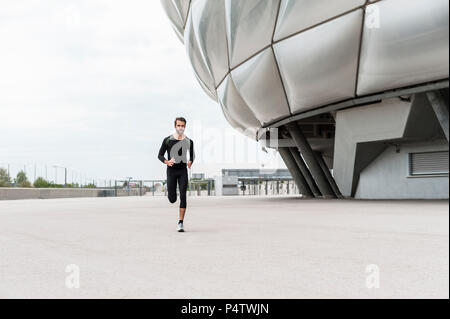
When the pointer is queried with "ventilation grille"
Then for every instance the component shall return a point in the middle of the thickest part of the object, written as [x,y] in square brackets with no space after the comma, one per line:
[430,163]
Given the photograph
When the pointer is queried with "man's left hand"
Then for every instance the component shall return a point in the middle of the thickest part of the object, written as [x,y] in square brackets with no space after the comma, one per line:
[189,164]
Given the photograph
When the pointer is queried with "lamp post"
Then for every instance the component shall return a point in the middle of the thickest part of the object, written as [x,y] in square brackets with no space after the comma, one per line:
[56,174]
[65,174]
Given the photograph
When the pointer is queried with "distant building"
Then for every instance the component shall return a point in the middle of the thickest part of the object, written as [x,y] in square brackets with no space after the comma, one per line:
[262,174]
[198,175]
[228,183]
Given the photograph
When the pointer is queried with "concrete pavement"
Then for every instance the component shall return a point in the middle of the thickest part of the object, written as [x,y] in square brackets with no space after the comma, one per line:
[234,247]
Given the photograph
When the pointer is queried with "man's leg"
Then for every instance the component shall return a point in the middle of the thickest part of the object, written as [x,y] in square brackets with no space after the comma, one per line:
[183,182]
[182,213]
[171,186]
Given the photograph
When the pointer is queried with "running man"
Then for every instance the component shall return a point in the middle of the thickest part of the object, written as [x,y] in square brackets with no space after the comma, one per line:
[177,145]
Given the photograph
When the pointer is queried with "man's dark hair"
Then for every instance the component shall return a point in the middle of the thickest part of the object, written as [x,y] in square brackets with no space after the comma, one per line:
[181,119]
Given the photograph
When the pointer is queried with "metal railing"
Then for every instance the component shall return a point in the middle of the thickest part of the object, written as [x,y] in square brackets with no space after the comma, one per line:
[206,187]
[267,187]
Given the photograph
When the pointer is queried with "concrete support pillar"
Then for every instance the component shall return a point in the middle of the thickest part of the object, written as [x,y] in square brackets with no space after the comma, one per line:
[440,108]
[295,172]
[305,171]
[359,137]
[310,159]
[327,172]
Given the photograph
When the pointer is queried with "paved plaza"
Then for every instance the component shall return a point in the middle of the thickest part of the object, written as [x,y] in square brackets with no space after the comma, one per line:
[233,247]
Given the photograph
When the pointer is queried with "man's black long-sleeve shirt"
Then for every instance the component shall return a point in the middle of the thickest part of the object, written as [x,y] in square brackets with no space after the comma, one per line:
[177,149]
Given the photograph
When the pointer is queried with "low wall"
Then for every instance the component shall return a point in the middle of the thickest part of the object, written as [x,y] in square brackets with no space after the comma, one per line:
[47,193]
[132,192]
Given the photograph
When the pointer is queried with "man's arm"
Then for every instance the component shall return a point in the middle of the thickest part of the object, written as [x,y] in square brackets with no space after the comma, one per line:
[191,152]
[162,151]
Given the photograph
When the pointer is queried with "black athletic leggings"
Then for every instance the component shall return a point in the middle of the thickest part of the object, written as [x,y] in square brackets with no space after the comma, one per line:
[175,175]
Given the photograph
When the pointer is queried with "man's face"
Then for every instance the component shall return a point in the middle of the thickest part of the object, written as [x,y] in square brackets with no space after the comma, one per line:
[180,126]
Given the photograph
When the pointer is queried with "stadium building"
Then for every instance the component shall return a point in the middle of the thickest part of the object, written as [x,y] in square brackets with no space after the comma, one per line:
[354,92]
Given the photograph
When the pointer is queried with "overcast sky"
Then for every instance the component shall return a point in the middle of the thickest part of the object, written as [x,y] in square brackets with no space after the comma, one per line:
[94,86]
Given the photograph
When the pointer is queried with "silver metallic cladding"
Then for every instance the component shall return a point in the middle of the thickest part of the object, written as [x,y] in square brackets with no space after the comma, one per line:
[297,15]
[318,66]
[197,59]
[209,26]
[259,84]
[230,98]
[177,11]
[249,19]
[409,48]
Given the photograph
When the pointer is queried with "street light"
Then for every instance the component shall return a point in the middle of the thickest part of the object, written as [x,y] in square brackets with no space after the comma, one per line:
[56,174]
[65,174]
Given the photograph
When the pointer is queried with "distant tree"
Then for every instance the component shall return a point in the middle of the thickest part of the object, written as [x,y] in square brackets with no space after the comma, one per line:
[5,179]
[40,182]
[91,185]
[53,185]
[21,180]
